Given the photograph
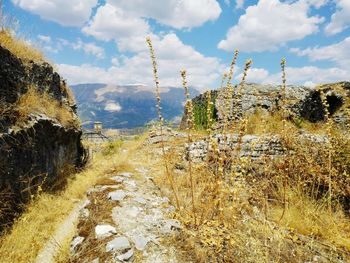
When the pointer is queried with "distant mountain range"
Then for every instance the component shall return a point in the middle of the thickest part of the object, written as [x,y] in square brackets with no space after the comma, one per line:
[126,106]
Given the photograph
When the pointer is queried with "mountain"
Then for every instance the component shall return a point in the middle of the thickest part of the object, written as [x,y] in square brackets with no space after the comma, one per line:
[126,106]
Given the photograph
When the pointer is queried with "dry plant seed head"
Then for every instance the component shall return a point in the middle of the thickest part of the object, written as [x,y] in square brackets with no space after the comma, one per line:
[329,128]
[247,66]
[190,126]
[224,76]
[189,106]
[156,79]
[233,63]
[160,117]
[209,112]
[283,96]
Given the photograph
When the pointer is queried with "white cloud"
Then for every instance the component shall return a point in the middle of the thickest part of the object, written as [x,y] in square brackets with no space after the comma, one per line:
[270,24]
[89,48]
[256,75]
[45,39]
[64,12]
[239,4]
[309,75]
[175,13]
[113,23]
[340,20]
[338,53]
[113,106]
[126,23]
[172,56]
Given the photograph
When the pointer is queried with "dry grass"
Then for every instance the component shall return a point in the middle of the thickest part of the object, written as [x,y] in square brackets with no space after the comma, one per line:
[34,102]
[250,228]
[41,218]
[20,48]
[288,209]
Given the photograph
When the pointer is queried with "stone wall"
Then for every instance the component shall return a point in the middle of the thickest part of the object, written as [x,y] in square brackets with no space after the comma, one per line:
[301,102]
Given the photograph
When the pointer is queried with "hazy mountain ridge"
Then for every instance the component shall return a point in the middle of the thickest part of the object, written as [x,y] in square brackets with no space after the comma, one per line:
[126,106]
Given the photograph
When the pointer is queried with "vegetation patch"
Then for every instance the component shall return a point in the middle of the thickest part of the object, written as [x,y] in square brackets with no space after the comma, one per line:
[20,48]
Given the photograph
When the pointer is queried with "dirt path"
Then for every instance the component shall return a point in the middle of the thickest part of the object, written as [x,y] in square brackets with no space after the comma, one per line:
[126,220]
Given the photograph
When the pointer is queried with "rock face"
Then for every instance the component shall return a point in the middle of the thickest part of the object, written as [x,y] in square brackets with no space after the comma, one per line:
[301,102]
[41,151]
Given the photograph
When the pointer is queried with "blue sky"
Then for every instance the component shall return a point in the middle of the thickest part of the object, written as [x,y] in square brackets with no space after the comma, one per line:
[103,41]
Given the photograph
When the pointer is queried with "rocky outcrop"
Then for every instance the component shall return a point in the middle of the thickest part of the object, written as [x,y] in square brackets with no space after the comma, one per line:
[301,102]
[41,151]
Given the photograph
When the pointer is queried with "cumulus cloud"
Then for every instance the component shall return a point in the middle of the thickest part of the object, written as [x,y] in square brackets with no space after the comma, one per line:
[64,12]
[172,56]
[112,22]
[307,75]
[89,48]
[338,53]
[340,20]
[256,75]
[174,13]
[265,26]
[126,22]
[310,75]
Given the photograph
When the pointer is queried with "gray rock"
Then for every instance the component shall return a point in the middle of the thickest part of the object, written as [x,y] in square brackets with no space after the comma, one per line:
[170,225]
[126,256]
[140,241]
[118,195]
[118,244]
[103,231]
[126,174]
[85,213]
[77,241]
[140,200]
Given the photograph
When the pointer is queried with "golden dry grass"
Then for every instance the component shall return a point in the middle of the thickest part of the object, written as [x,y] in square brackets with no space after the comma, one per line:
[34,102]
[248,228]
[41,218]
[20,48]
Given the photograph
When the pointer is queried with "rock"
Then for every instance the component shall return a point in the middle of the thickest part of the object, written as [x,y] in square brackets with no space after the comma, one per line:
[77,241]
[118,195]
[118,179]
[85,213]
[103,231]
[140,200]
[96,260]
[118,244]
[140,241]
[86,203]
[170,225]
[126,256]
[126,174]
[130,185]
[301,102]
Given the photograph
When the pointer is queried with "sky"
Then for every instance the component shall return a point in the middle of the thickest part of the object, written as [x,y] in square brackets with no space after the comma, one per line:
[103,41]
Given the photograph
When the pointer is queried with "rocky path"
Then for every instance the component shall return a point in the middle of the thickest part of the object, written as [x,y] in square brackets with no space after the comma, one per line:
[136,224]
